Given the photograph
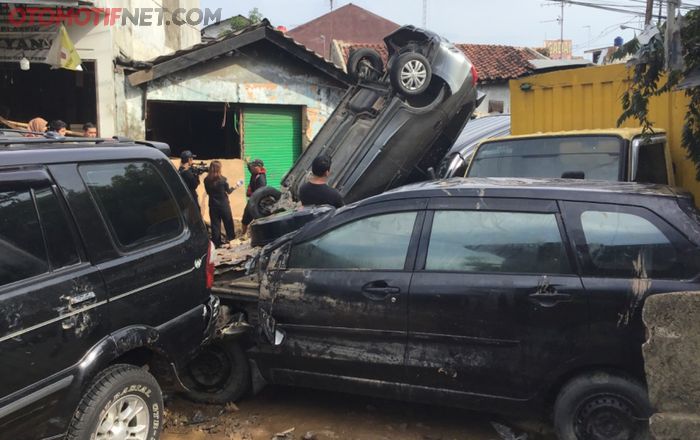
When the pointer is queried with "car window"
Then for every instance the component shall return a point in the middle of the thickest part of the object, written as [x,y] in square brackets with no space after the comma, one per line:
[627,245]
[488,241]
[651,166]
[134,201]
[589,157]
[379,242]
[59,239]
[22,251]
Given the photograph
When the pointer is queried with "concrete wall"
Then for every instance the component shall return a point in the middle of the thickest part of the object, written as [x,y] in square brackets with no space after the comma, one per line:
[495,92]
[672,364]
[262,74]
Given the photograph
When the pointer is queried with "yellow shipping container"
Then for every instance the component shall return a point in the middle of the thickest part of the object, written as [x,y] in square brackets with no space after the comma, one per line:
[590,97]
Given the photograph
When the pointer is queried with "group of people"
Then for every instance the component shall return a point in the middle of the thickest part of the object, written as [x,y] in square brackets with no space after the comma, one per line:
[56,129]
[315,191]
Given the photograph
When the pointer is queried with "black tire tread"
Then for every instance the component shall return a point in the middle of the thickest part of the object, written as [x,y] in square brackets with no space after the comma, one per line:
[590,381]
[79,425]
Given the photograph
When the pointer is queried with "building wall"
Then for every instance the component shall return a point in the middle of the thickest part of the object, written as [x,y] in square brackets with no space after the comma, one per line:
[259,75]
[494,92]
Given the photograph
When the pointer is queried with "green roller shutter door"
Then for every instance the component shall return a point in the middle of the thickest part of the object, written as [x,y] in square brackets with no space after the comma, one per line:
[273,134]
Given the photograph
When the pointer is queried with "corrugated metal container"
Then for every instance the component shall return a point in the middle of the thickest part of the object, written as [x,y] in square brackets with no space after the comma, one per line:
[590,97]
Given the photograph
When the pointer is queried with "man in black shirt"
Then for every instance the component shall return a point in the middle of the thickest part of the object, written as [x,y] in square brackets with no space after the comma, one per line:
[316,191]
[191,179]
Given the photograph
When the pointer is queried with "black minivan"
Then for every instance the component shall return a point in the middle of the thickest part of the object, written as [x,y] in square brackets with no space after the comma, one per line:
[506,295]
[104,287]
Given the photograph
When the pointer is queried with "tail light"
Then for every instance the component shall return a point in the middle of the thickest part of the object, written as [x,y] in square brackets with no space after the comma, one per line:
[475,75]
[210,265]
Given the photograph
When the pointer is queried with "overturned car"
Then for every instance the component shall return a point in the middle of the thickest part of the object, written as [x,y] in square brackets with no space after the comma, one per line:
[394,126]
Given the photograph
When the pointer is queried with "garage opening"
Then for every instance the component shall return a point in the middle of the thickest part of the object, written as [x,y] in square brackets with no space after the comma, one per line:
[211,130]
[48,93]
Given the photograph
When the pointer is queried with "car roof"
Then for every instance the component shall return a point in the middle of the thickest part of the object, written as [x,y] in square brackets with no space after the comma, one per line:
[481,128]
[624,133]
[558,189]
[34,151]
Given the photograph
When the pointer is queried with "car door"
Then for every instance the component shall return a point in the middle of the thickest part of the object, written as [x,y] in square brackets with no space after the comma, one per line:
[495,303]
[627,253]
[342,299]
[52,303]
[145,253]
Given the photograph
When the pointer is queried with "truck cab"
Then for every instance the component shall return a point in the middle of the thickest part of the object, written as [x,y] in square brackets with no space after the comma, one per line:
[626,155]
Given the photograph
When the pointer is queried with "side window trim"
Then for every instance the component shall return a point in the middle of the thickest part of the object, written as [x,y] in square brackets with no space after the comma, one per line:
[413,244]
[111,234]
[543,206]
[572,213]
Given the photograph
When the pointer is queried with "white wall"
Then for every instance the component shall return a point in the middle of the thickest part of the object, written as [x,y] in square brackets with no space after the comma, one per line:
[496,92]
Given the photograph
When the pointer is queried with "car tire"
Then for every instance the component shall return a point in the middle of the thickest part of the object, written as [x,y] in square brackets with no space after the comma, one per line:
[602,406]
[365,64]
[410,74]
[110,394]
[219,374]
[262,202]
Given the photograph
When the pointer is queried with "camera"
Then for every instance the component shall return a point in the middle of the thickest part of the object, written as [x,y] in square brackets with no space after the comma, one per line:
[199,168]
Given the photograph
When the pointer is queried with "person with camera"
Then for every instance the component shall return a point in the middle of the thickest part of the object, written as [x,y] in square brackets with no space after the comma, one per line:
[218,190]
[187,173]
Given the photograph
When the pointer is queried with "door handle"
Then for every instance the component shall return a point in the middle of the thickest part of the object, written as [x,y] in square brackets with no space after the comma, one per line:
[81,298]
[545,299]
[379,290]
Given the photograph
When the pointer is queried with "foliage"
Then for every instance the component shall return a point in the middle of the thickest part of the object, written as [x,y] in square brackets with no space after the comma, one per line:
[239,21]
[647,81]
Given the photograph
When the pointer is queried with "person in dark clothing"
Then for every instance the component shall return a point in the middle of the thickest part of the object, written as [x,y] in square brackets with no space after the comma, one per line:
[218,190]
[316,191]
[258,179]
[190,178]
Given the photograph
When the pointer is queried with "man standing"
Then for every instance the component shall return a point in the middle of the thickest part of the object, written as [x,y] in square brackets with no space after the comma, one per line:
[89,130]
[57,129]
[191,179]
[258,179]
[316,191]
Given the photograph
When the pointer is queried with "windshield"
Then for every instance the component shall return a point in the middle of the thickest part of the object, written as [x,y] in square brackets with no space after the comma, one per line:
[582,157]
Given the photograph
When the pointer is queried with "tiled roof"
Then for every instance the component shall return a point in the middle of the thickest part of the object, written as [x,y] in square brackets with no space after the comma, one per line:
[347,23]
[493,62]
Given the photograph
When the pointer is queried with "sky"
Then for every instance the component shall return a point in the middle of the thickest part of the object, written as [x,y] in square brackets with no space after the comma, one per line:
[509,22]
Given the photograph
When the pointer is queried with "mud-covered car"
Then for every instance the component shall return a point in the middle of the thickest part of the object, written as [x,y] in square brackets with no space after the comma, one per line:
[395,124]
[105,272]
[505,295]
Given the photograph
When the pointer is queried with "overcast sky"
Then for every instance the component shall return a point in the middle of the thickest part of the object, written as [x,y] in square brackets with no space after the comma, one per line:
[511,22]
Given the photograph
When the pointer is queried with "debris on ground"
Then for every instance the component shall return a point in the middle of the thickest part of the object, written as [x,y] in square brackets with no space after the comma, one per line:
[284,435]
[506,433]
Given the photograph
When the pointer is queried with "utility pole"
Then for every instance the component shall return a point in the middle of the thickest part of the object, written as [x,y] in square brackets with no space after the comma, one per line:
[425,14]
[561,32]
[648,12]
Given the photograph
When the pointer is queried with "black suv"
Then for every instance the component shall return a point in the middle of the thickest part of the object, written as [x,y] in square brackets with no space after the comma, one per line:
[508,295]
[104,284]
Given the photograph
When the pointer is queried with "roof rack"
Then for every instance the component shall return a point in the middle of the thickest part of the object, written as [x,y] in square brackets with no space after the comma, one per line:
[114,141]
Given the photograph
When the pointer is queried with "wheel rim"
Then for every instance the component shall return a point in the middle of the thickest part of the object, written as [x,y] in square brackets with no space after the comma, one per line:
[606,417]
[413,75]
[211,369]
[126,419]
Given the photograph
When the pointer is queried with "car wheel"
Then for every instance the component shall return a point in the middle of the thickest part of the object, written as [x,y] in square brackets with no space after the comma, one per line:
[124,401]
[365,64]
[601,406]
[262,202]
[410,74]
[219,374]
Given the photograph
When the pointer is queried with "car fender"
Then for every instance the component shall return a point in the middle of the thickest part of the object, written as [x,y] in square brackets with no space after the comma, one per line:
[451,66]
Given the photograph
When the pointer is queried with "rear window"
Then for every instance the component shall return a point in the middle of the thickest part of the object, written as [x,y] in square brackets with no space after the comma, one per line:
[135,202]
[588,157]
[651,167]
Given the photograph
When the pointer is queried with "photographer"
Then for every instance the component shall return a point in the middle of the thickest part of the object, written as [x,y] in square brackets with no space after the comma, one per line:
[188,175]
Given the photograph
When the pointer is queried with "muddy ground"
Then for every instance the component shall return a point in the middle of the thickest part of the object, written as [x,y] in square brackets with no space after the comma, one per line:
[280,413]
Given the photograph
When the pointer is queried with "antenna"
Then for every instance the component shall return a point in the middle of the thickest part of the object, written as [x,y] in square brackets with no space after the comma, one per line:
[425,14]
